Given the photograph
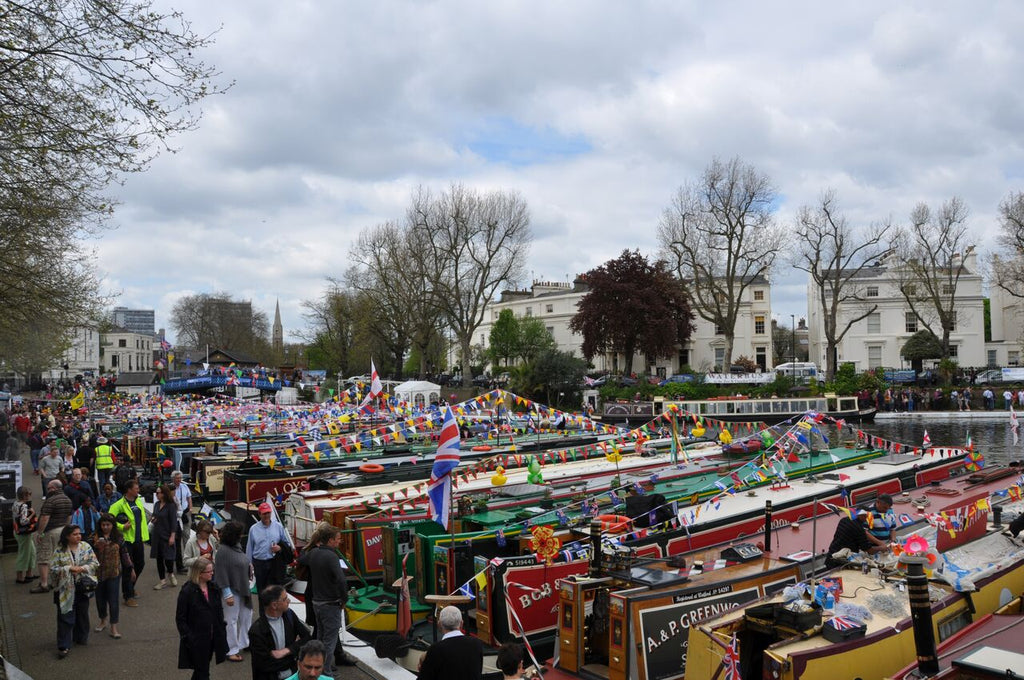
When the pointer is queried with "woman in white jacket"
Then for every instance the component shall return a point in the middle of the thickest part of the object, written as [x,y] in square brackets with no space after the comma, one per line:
[202,543]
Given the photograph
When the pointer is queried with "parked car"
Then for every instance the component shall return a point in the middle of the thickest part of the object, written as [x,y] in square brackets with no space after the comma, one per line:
[989,377]
[677,378]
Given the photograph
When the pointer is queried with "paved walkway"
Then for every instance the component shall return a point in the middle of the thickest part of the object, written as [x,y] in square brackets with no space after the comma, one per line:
[149,647]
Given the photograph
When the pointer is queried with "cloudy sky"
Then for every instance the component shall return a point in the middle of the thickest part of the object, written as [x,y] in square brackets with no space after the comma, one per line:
[596,112]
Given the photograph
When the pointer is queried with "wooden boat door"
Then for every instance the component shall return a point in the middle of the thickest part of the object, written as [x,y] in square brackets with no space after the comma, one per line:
[575,602]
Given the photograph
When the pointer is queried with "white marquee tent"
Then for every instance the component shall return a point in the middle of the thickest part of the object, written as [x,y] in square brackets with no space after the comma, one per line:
[418,392]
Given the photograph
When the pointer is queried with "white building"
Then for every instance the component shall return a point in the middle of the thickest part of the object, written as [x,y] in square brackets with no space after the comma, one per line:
[1007,316]
[555,303]
[123,351]
[876,341]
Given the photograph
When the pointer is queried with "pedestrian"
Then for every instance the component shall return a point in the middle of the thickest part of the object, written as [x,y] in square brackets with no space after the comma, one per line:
[35,447]
[328,591]
[183,499]
[276,637]
[108,496]
[312,657]
[265,539]
[455,655]
[50,465]
[24,526]
[86,518]
[54,515]
[77,488]
[200,621]
[165,523]
[73,562]
[104,459]
[131,521]
[85,455]
[233,571]
[1008,399]
[202,543]
[114,559]
[510,661]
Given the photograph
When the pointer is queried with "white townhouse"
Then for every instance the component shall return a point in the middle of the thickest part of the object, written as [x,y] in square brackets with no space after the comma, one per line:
[1007,318]
[125,351]
[876,341]
[555,303]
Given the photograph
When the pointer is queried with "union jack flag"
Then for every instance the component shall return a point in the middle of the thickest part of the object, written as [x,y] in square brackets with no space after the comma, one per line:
[732,660]
[164,345]
[446,460]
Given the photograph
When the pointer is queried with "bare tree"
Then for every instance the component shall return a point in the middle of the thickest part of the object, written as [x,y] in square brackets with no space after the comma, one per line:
[1008,266]
[331,327]
[835,258]
[720,236]
[219,321]
[389,272]
[931,254]
[470,245]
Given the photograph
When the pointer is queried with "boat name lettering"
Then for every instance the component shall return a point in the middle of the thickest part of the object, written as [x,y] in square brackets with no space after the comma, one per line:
[374,540]
[700,594]
[539,594]
[687,618]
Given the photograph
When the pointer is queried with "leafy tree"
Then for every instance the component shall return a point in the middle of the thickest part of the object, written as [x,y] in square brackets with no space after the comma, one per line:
[331,326]
[921,345]
[469,245]
[503,343]
[561,374]
[632,305]
[834,256]
[534,339]
[721,237]
[89,90]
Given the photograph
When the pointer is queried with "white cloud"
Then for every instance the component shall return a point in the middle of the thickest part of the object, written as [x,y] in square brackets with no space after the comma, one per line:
[594,111]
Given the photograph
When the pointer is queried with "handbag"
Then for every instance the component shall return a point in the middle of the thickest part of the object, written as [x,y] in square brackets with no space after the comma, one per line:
[86,584]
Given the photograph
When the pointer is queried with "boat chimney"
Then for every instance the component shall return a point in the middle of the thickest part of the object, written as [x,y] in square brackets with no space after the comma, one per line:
[921,614]
[997,517]
[768,526]
[595,544]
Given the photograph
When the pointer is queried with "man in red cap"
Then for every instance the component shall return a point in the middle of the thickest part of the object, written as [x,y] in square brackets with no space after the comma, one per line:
[265,539]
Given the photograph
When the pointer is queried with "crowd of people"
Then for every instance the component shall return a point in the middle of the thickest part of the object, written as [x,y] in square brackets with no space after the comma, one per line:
[909,399]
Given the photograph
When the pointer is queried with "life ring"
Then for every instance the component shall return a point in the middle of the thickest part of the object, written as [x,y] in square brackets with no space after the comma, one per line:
[614,524]
[371,468]
[482,448]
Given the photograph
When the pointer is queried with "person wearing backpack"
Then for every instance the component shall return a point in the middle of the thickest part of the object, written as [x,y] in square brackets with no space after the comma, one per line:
[24,526]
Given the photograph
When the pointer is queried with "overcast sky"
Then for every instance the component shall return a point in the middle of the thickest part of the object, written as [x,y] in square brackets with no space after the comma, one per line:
[596,112]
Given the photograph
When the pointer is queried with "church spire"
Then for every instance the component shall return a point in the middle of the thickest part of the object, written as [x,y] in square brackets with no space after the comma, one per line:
[278,332]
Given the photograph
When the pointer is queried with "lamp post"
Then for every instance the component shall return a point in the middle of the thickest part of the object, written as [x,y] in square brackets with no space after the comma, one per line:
[792,344]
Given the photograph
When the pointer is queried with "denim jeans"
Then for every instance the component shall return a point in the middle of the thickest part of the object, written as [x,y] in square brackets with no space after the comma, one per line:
[106,597]
[328,625]
[73,626]
[34,456]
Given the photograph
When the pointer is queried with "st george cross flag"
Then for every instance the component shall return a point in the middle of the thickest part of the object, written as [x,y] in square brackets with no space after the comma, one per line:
[1014,426]
[375,386]
[446,460]
[927,441]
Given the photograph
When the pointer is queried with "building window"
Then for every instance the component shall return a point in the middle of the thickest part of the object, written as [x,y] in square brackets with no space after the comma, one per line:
[759,324]
[719,357]
[909,289]
[911,322]
[952,321]
[684,358]
[872,291]
[992,361]
[113,361]
[761,357]
[947,289]
[874,356]
[529,311]
[758,295]
[122,342]
[875,323]
[719,330]
[954,351]
[1013,358]
[549,308]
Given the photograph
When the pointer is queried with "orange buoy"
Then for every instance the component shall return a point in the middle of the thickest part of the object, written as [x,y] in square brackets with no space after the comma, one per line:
[371,468]
[614,524]
[482,448]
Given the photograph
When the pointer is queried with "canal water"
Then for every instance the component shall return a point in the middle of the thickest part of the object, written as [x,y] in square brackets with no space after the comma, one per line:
[990,435]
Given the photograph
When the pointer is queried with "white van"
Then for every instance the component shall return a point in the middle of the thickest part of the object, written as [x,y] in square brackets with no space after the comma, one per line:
[802,372]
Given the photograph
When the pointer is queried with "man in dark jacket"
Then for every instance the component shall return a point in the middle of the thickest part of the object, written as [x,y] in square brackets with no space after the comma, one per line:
[455,655]
[276,637]
[329,591]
